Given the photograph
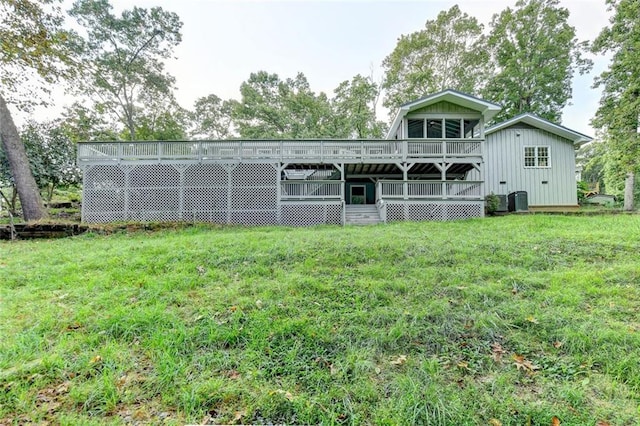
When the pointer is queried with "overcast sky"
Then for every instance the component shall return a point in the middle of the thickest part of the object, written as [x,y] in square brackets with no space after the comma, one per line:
[329,41]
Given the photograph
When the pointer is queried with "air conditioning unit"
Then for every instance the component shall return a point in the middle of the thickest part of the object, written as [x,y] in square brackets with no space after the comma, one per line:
[503,207]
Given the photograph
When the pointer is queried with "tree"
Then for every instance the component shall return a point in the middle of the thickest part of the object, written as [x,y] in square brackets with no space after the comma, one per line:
[354,109]
[449,52]
[211,118]
[32,44]
[123,57]
[161,119]
[536,53]
[619,113]
[83,124]
[275,108]
[51,153]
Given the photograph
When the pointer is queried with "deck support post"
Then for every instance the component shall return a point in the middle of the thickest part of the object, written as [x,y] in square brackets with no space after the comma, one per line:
[279,168]
[127,190]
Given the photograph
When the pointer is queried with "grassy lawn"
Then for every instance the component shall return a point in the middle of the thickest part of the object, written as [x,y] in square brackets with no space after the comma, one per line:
[511,320]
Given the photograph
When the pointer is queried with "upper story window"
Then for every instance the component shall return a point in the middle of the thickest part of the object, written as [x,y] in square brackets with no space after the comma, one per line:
[439,128]
[536,156]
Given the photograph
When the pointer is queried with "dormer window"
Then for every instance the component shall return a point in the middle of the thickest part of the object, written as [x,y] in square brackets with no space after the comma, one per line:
[439,128]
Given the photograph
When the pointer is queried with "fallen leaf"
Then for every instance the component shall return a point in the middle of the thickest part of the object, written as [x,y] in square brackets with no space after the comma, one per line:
[532,320]
[495,422]
[557,344]
[259,303]
[286,394]
[233,308]
[333,370]
[233,375]
[497,352]
[96,359]
[523,364]
[463,365]
[238,415]
[602,423]
[555,421]
[399,361]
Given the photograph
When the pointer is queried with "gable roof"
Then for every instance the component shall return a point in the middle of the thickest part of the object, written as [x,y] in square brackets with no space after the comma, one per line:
[487,109]
[577,138]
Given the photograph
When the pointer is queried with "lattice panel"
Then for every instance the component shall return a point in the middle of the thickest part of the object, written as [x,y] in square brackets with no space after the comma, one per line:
[254,217]
[216,216]
[154,199]
[103,197]
[104,177]
[205,175]
[102,216]
[395,212]
[154,216]
[444,211]
[263,198]
[334,214]
[154,175]
[205,199]
[311,214]
[258,174]
[426,211]
[103,200]
[463,211]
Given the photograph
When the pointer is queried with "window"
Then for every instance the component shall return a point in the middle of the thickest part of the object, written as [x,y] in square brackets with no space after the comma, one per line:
[536,156]
[416,129]
[439,128]
[471,129]
[452,128]
[434,128]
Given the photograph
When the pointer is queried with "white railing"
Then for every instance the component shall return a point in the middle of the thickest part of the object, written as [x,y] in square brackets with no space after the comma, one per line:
[421,189]
[283,151]
[316,189]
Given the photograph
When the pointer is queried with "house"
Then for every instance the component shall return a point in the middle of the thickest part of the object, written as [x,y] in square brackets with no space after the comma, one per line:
[528,153]
[432,166]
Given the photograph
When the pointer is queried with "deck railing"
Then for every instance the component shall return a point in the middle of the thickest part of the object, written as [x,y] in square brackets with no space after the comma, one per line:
[306,190]
[313,151]
[428,189]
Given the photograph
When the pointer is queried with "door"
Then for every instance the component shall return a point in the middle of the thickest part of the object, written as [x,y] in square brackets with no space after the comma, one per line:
[358,194]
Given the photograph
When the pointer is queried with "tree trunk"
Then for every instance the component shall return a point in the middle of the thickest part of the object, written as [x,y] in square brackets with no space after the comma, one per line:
[629,183]
[32,206]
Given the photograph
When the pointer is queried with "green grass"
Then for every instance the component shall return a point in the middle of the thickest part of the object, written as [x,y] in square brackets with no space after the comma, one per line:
[414,323]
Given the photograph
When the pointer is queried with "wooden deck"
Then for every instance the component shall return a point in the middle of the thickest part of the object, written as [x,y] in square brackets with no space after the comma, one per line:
[291,151]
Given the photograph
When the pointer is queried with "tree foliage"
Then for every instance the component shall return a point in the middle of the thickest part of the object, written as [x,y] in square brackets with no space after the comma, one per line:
[448,53]
[536,54]
[619,113]
[123,57]
[51,153]
[354,109]
[211,118]
[275,108]
[32,44]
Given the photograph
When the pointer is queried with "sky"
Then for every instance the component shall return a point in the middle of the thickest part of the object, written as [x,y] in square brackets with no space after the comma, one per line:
[329,41]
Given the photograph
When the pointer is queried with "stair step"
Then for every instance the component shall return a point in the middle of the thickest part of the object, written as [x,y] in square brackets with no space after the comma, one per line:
[360,214]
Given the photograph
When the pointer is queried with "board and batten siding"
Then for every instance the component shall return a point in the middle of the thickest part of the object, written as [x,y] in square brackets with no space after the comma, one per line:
[504,162]
[443,107]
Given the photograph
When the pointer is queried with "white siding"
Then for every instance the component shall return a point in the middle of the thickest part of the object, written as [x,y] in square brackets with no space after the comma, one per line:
[444,107]
[504,157]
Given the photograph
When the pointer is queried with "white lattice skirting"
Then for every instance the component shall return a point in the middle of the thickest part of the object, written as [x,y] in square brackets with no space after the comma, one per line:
[245,194]
[436,210]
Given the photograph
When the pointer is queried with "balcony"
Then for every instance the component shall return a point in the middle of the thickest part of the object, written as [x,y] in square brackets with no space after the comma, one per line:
[290,151]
